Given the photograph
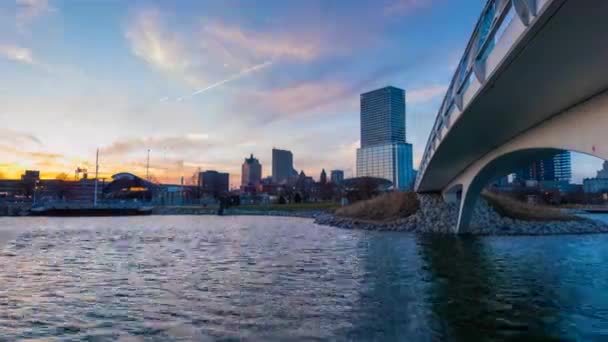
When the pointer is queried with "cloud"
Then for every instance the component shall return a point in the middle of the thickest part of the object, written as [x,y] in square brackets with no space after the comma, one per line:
[18,138]
[17,152]
[29,10]
[273,46]
[17,54]
[291,100]
[213,53]
[152,42]
[421,95]
[303,97]
[187,143]
[405,7]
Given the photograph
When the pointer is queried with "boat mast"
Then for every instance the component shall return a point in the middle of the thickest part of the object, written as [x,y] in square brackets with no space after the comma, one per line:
[96,178]
[148,167]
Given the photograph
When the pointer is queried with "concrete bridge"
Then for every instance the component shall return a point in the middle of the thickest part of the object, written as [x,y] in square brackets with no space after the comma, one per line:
[533,81]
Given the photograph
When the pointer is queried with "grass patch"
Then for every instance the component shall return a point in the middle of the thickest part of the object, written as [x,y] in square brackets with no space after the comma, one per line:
[292,207]
[384,208]
[512,208]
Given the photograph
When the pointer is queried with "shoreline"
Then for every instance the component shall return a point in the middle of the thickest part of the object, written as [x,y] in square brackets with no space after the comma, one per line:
[433,217]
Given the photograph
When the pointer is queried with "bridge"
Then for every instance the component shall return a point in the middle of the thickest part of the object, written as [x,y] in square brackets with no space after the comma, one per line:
[533,81]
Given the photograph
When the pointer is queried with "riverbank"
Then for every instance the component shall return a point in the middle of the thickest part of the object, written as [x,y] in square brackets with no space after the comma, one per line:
[436,216]
[287,212]
[431,215]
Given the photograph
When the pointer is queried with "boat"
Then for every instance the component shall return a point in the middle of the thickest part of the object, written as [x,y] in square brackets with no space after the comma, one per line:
[76,210]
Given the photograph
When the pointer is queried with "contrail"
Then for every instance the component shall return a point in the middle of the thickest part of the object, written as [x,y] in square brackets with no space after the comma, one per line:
[233,77]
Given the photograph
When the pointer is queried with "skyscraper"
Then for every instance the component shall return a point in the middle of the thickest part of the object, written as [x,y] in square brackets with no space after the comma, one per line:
[383,117]
[251,172]
[556,169]
[384,152]
[282,166]
[337,176]
[323,177]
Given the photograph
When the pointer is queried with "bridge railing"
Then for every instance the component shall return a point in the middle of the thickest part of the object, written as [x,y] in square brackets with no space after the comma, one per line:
[481,57]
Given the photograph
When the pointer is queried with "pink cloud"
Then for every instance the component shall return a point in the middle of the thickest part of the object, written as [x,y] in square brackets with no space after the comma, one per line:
[264,45]
[405,7]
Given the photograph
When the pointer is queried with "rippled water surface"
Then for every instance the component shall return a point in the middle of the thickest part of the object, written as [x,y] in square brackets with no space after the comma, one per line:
[262,278]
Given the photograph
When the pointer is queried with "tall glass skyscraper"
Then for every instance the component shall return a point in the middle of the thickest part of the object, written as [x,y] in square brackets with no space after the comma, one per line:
[384,152]
[383,117]
[558,169]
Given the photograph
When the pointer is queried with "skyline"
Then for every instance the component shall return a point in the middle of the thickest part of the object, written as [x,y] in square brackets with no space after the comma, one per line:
[204,84]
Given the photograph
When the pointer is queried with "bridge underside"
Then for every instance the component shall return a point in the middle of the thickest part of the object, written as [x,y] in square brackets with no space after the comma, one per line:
[582,128]
[558,63]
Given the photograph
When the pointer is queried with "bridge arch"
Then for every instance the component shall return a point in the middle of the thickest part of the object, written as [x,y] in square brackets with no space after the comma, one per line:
[581,128]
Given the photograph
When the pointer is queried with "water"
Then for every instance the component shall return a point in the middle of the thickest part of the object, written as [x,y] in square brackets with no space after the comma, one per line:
[261,278]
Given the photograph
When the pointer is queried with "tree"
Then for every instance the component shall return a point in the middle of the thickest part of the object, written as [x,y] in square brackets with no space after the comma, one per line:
[62,177]
[297,198]
[363,188]
[282,200]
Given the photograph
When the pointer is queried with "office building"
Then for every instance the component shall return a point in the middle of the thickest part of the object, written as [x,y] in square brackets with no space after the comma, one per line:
[389,161]
[282,166]
[214,183]
[555,169]
[323,177]
[599,184]
[384,152]
[337,176]
[251,172]
[383,117]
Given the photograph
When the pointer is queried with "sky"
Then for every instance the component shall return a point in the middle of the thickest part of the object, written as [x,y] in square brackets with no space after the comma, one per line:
[203,84]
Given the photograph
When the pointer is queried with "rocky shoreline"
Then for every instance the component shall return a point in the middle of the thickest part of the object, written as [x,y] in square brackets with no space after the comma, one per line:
[433,216]
[436,216]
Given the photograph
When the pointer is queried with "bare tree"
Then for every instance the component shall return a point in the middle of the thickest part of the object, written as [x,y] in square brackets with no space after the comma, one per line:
[62,176]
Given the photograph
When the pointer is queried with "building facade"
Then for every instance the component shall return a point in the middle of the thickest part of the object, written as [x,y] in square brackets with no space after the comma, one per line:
[599,184]
[382,116]
[251,172]
[384,152]
[323,177]
[389,161]
[337,176]
[556,169]
[282,166]
[214,183]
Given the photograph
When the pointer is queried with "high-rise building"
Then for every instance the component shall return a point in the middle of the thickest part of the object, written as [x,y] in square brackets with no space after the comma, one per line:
[603,173]
[598,184]
[384,152]
[282,166]
[555,169]
[383,117]
[337,176]
[251,172]
[562,167]
[323,177]
[214,183]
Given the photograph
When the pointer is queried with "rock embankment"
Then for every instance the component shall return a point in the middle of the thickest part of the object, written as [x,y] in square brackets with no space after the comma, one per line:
[436,216]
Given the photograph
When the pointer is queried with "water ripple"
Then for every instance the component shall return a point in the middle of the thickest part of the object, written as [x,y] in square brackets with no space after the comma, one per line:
[260,278]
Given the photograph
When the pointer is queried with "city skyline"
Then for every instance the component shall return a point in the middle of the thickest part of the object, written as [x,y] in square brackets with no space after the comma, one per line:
[201,87]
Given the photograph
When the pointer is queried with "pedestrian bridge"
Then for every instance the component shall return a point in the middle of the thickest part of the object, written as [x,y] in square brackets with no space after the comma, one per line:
[533,81]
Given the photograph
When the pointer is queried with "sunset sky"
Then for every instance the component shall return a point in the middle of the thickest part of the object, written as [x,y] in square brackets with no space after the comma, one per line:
[205,83]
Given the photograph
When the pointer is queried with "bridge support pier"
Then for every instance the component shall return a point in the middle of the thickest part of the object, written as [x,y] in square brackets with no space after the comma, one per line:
[581,128]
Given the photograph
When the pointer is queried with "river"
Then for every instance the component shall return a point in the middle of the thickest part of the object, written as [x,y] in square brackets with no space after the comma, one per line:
[207,278]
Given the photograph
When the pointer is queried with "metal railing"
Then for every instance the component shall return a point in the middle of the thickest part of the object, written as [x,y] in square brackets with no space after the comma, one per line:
[493,19]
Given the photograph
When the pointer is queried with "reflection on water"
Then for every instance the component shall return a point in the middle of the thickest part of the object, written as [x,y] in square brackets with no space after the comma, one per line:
[260,278]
